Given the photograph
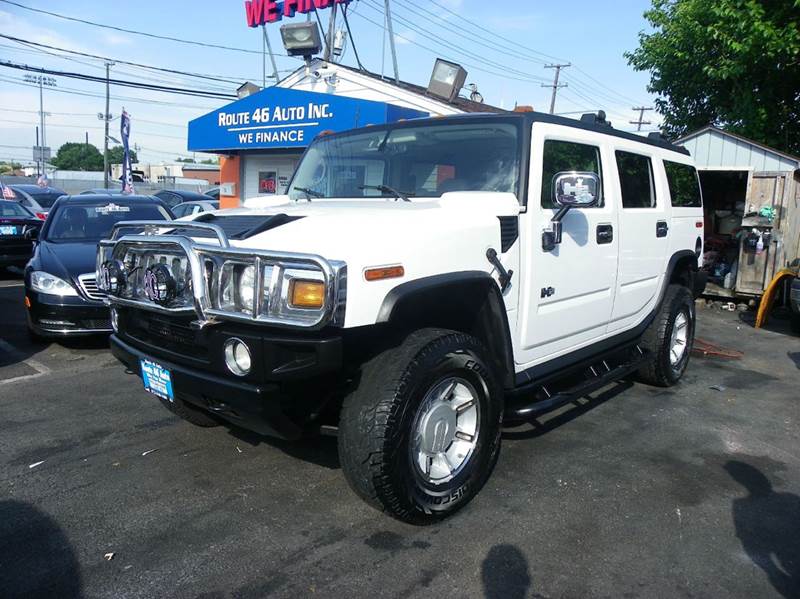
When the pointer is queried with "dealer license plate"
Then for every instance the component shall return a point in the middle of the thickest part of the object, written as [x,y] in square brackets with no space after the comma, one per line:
[157,380]
[8,230]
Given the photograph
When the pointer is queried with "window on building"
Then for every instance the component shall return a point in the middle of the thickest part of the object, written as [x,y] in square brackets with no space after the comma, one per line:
[684,186]
[559,156]
[636,180]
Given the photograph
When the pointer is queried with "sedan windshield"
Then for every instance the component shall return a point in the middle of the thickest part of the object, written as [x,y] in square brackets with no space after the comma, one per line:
[411,162]
[94,222]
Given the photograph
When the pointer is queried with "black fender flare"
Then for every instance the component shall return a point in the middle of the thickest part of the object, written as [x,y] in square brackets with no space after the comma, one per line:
[490,322]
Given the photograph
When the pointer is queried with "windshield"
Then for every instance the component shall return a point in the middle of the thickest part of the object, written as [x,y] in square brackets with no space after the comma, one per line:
[10,209]
[46,200]
[421,162]
[94,222]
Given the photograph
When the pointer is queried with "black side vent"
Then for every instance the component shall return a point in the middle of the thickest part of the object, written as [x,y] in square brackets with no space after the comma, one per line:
[243,226]
[509,231]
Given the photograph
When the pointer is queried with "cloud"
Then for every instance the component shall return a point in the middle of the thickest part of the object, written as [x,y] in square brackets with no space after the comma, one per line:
[116,39]
[408,37]
[13,25]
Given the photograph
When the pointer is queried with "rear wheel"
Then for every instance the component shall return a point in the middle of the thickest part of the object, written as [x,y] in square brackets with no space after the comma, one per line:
[669,338]
[420,435]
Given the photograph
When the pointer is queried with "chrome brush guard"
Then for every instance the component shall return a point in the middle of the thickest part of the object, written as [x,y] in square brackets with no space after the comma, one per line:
[195,271]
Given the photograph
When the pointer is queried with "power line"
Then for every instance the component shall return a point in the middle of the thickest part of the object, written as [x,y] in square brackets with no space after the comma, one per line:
[134,32]
[121,82]
[430,35]
[133,64]
[78,92]
[438,53]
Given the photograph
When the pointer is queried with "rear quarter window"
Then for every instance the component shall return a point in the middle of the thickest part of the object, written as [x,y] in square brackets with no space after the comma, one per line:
[684,185]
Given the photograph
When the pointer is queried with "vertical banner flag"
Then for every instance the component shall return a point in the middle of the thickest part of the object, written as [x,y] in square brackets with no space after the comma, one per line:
[125,131]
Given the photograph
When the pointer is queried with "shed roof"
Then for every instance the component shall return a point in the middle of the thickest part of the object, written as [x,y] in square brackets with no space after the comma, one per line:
[715,147]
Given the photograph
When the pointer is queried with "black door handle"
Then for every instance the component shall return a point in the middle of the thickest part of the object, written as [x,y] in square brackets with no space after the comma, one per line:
[662,228]
[605,234]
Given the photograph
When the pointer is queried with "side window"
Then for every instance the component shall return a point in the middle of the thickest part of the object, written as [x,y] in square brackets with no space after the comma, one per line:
[684,186]
[180,211]
[560,156]
[636,180]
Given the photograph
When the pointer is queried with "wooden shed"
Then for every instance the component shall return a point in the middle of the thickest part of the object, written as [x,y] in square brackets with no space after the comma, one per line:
[751,198]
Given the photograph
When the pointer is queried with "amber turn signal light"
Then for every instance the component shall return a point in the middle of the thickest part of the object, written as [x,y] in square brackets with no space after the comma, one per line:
[384,272]
[307,294]
[27,302]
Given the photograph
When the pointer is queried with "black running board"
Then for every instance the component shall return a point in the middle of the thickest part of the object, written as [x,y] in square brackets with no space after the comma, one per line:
[596,376]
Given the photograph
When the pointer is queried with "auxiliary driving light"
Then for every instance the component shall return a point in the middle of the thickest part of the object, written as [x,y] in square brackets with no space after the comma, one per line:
[237,356]
[307,294]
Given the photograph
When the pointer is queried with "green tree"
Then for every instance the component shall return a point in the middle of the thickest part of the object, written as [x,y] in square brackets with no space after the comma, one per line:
[115,155]
[78,157]
[731,63]
[9,167]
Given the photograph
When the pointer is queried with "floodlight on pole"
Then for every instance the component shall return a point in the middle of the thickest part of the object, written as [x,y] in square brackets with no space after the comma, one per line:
[302,39]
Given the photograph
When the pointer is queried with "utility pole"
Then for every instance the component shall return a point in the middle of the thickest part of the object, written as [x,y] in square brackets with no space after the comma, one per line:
[106,118]
[38,164]
[641,120]
[556,85]
[391,41]
[331,33]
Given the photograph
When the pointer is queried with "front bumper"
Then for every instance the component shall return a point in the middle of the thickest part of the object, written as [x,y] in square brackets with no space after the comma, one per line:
[56,316]
[290,382]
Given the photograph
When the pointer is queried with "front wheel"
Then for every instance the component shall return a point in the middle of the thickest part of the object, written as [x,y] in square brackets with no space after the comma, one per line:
[669,338]
[420,435]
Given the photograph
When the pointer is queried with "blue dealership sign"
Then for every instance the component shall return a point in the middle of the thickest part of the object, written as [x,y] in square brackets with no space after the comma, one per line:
[279,117]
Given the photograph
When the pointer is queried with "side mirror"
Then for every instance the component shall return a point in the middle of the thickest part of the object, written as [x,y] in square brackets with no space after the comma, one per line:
[576,188]
[571,189]
[32,234]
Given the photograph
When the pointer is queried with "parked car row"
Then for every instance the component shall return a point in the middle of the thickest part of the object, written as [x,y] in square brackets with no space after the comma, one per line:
[54,236]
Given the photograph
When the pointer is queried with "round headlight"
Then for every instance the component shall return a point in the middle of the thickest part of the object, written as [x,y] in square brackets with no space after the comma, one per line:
[247,287]
[237,356]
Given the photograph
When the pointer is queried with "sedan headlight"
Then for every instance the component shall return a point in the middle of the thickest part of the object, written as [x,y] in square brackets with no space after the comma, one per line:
[46,283]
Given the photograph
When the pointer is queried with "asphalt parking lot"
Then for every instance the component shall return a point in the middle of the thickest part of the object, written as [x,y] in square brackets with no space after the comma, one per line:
[641,492]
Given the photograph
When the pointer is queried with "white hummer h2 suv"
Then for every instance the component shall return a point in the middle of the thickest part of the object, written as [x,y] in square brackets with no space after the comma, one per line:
[422,283]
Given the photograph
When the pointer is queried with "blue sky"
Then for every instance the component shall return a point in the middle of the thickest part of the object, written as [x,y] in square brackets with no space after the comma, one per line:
[591,35]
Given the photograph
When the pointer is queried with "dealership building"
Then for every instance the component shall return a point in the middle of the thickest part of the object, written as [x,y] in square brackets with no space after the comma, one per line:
[261,136]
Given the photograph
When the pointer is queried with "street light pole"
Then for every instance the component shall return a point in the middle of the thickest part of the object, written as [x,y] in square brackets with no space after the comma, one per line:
[106,118]
[41,121]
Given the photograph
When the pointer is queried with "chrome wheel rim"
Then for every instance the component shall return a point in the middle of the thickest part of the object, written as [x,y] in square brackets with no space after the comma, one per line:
[679,339]
[445,430]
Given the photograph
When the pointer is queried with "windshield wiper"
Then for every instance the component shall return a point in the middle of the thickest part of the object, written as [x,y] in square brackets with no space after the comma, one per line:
[309,192]
[400,195]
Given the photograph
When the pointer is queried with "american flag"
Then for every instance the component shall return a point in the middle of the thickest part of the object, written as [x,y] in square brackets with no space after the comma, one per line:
[125,131]
[7,192]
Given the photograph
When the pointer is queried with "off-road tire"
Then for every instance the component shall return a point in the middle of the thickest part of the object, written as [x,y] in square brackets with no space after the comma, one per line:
[658,369]
[377,419]
[189,413]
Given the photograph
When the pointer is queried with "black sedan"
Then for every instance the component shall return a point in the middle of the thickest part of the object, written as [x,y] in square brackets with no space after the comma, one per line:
[18,226]
[61,291]
[37,199]
[173,197]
